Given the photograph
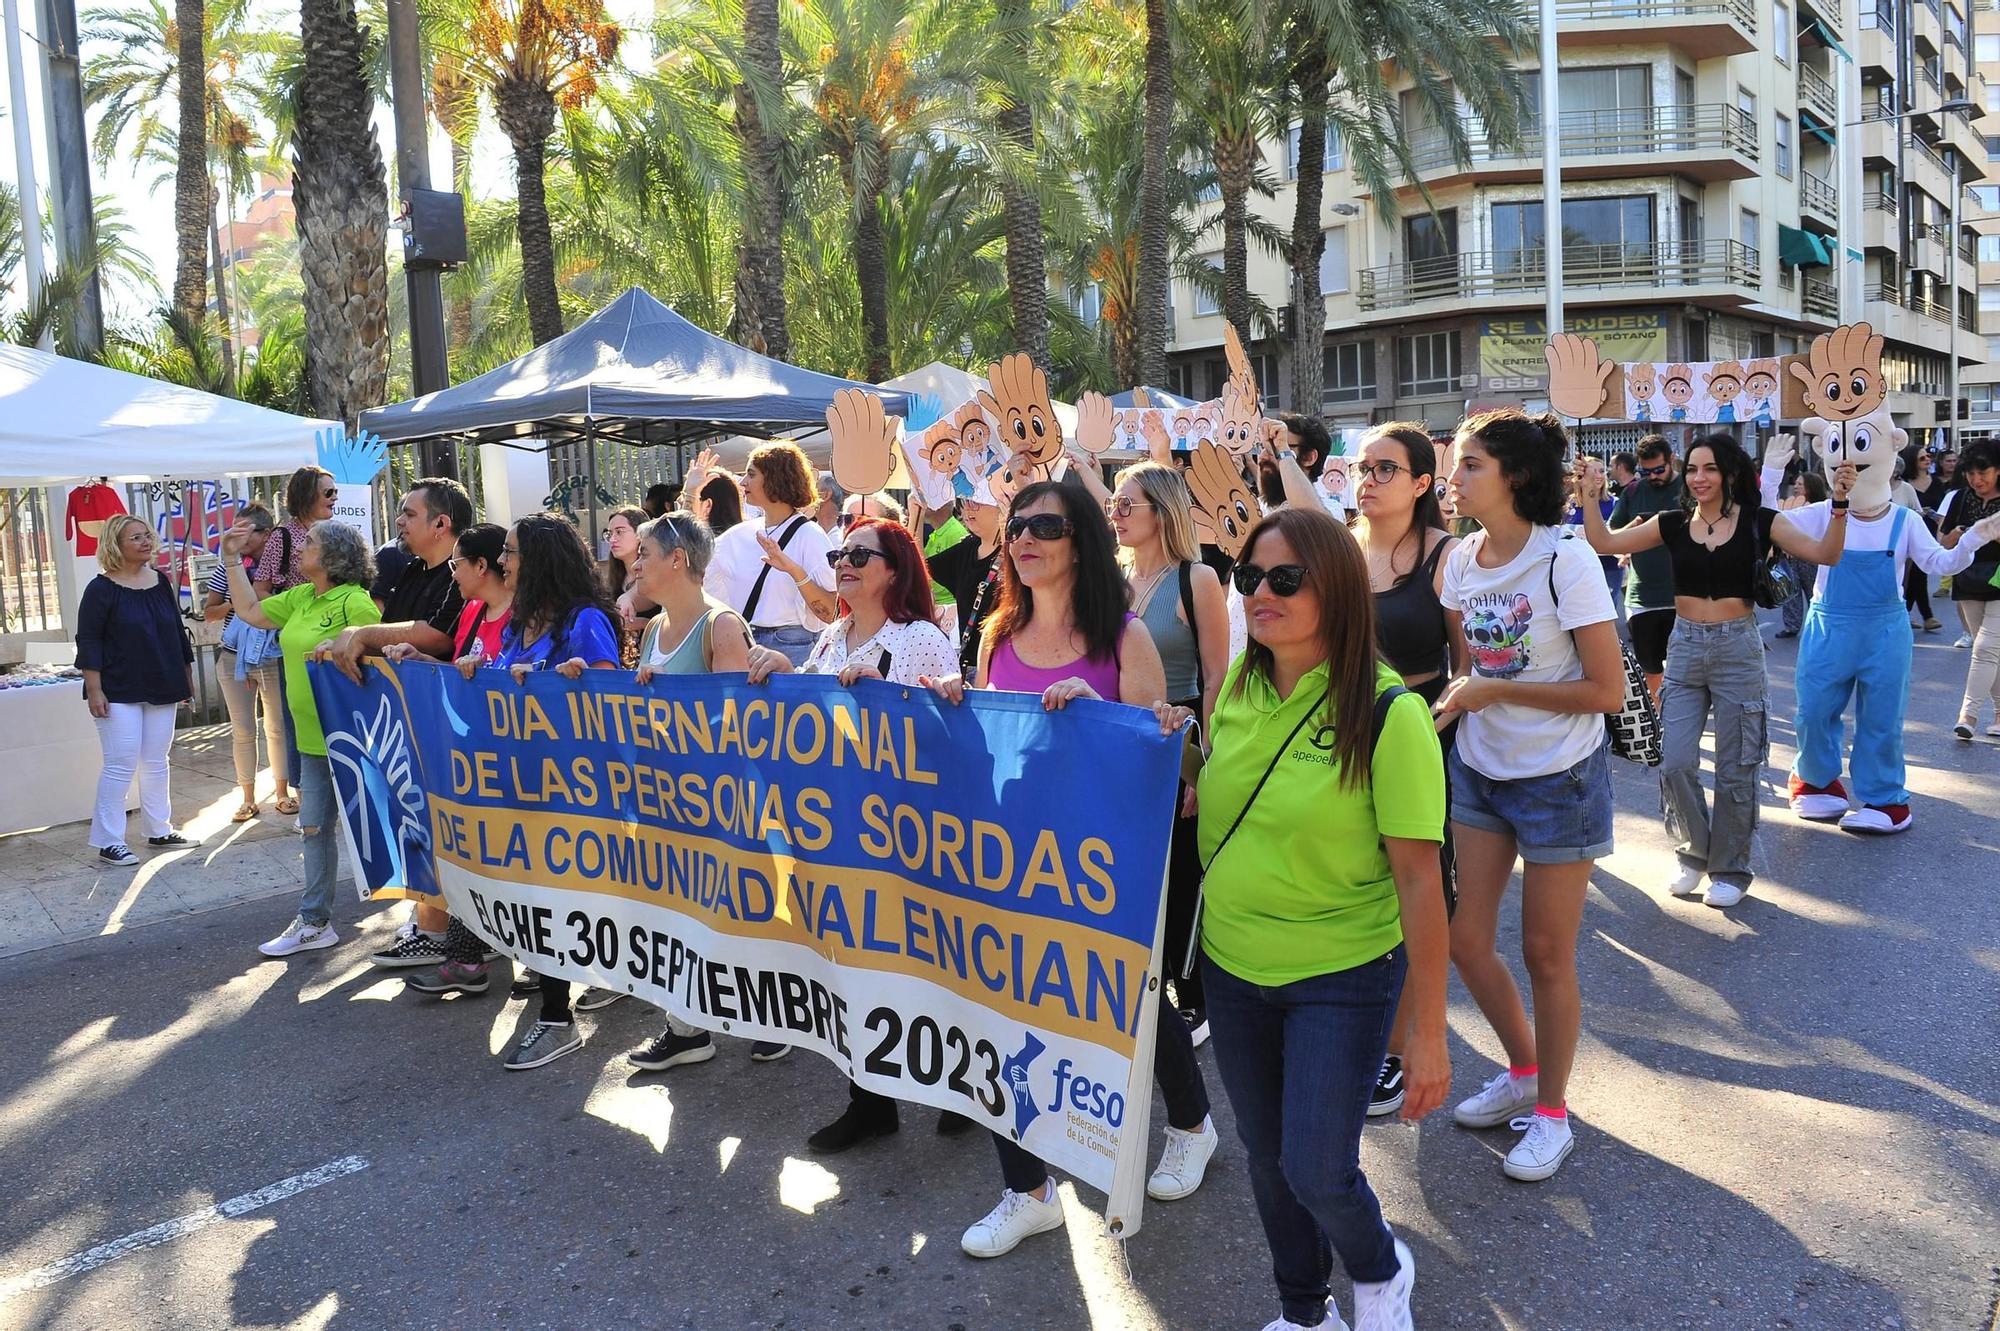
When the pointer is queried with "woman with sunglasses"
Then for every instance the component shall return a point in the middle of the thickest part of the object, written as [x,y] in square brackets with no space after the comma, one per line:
[309,496]
[887,630]
[1179,600]
[1322,809]
[1530,773]
[1405,541]
[1061,630]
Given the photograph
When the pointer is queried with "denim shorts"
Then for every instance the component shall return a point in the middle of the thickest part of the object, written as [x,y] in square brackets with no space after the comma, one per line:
[1555,819]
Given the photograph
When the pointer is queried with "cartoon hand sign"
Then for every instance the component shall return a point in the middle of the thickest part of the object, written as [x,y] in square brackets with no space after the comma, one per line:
[1224,508]
[1019,400]
[1096,422]
[1842,373]
[1141,398]
[1153,425]
[863,439]
[1242,420]
[1577,378]
[1242,377]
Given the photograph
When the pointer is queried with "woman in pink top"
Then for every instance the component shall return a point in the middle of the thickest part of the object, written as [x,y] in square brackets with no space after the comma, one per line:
[1061,629]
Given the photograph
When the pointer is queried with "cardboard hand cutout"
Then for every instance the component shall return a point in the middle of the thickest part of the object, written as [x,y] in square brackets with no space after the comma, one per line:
[863,440]
[1842,373]
[1225,509]
[1096,422]
[1579,380]
[1019,403]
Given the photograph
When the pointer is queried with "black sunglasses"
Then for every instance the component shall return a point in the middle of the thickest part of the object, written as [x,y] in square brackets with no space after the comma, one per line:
[1285,579]
[1660,470]
[329,493]
[858,557]
[1041,526]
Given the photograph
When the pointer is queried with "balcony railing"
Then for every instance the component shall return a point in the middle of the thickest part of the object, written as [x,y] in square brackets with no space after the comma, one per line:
[1931,309]
[1930,81]
[1816,194]
[1879,201]
[1634,131]
[1487,274]
[1967,252]
[1817,92]
[1924,152]
[1590,11]
[1934,233]
[1886,292]
[1788,279]
[1821,299]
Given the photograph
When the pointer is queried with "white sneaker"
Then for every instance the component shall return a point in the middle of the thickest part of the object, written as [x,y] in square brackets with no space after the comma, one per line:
[1020,1215]
[1385,1305]
[1183,1162]
[1964,640]
[1498,1100]
[1724,895]
[300,937]
[1686,882]
[1542,1148]
[1993,731]
[1334,1322]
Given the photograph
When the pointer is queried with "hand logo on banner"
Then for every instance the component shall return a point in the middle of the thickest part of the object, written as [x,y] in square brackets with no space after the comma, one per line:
[1578,378]
[353,460]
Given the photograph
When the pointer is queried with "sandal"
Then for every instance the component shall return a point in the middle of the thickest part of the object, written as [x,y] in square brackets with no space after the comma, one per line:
[244,813]
[288,806]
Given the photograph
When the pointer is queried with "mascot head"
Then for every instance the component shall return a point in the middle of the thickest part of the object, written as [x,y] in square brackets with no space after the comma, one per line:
[1847,410]
[1870,443]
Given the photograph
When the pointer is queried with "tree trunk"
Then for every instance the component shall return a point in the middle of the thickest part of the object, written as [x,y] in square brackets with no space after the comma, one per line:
[760,272]
[871,272]
[1027,260]
[194,212]
[458,311]
[1235,160]
[1308,241]
[528,116]
[222,307]
[342,195]
[1155,222]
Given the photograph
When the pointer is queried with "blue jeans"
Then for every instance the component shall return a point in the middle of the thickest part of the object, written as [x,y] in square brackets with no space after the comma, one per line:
[293,764]
[795,641]
[1299,1062]
[319,807]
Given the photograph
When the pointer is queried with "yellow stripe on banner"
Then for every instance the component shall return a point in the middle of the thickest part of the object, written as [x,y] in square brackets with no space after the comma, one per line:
[1043,972]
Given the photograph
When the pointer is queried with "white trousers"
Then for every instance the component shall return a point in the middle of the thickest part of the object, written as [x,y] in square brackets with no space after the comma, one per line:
[136,737]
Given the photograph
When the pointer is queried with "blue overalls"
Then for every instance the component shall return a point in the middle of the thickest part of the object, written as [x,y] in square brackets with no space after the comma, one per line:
[1857,640]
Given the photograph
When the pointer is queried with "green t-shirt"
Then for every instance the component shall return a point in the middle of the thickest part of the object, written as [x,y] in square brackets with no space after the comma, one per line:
[306,619]
[1649,578]
[1304,887]
[944,538]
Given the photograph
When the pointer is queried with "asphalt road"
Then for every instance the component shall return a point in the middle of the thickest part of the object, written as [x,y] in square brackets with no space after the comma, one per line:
[1786,1118]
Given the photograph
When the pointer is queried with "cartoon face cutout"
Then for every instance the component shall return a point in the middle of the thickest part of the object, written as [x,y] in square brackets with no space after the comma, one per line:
[1019,400]
[1725,382]
[1678,387]
[1203,427]
[1762,380]
[1496,632]
[941,448]
[1225,509]
[1183,422]
[1842,374]
[1242,424]
[1333,477]
[1642,382]
[1870,443]
[975,439]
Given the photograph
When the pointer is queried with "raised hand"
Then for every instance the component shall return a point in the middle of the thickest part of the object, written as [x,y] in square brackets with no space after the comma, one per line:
[352,460]
[1589,477]
[863,439]
[1096,422]
[1781,450]
[1844,477]
[1577,377]
[697,476]
[1019,400]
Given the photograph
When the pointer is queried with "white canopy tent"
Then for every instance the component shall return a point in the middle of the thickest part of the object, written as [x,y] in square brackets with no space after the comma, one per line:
[62,419]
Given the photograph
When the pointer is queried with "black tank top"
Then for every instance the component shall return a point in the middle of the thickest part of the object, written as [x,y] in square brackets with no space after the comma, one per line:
[1409,622]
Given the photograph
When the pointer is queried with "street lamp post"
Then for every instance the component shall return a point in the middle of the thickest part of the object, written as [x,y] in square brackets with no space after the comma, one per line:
[1552,202]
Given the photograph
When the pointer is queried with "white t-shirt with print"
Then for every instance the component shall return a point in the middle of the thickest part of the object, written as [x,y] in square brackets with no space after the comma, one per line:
[916,649]
[1514,629]
[738,559]
[1917,543]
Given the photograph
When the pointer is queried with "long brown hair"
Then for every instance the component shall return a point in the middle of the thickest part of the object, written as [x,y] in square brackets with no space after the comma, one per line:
[1337,574]
[1098,597]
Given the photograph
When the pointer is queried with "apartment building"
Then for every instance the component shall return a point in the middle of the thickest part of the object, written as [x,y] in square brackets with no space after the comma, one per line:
[1980,387]
[1699,210]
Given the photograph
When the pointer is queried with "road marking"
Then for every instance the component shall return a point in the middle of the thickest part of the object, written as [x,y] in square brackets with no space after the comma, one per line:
[179,1227]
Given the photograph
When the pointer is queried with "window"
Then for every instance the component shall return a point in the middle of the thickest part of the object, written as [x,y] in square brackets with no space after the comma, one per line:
[1746,102]
[1350,373]
[1088,304]
[1427,364]
[1992,95]
[1986,46]
[1209,301]
[1989,298]
[1989,249]
[1749,230]
[1782,34]
[1430,242]
[1180,379]
[1264,367]
[1216,371]
[1596,232]
[1988,196]
[1992,147]
[1333,261]
[1336,158]
[1784,139]
[1609,96]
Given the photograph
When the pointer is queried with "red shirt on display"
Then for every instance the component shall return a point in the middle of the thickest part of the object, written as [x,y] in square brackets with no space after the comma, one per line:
[89,507]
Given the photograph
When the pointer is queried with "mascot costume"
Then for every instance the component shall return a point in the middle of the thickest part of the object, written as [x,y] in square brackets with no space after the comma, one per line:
[1856,639]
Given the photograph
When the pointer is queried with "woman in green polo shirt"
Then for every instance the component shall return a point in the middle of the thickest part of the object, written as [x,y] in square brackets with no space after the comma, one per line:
[1322,809]
[338,567]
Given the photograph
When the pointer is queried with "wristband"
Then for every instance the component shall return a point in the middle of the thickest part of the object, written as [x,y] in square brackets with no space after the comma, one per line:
[1840,506]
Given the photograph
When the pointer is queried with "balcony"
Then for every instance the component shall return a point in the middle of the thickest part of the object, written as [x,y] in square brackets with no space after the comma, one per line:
[1817,93]
[1706,143]
[1820,300]
[1816,196]
[1887,293]
[1704,29]
[1517,277]
[1929,309]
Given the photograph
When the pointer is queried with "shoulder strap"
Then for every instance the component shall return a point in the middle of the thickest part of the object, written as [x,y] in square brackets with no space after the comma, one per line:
[1382,701]
[1194,629]
[284,552]
[1258,789]
[1430,563]
[757,587]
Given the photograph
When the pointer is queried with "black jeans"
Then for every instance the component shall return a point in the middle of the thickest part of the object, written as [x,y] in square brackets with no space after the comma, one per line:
[555,1000]
[1183,894]
[1917,590]
[1175,1072]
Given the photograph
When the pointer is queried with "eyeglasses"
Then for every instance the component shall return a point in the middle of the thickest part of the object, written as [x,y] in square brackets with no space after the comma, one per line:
[857,556]
[508,552]
[1041,526]
[1380,472]
[1120,506]
[1285,579]
[1660,470]
[453,563]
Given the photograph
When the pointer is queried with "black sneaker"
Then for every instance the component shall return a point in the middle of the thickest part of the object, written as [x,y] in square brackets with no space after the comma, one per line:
[410,950]
[858,1124]
[1388,1095]
[595,999]
[173,841]
[768,1051]
[526,985]
[118,855]
[1197,1024]
[1963,730]
[672,1050]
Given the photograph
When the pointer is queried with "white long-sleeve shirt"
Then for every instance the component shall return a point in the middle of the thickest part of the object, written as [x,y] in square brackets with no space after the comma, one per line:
[1917,544]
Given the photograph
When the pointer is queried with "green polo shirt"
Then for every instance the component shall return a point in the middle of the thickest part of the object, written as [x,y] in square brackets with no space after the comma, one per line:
[1303,888]
[306,619]
[944,538]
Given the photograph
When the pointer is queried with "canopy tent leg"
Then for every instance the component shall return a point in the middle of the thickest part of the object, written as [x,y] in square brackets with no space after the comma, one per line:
[590,484]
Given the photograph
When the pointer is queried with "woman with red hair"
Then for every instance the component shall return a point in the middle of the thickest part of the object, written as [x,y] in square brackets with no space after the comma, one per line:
[887,630]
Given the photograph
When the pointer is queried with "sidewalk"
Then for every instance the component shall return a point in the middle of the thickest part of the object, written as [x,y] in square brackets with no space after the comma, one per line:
[53,889]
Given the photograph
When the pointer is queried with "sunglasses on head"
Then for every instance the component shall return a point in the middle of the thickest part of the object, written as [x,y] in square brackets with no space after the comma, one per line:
[1285,579]
[858,557]
[1042,526]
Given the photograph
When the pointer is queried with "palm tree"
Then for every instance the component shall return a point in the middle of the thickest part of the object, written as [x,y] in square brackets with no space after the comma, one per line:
[1155,220]
[1352,55]
[761,317]
[1027,262]
[535,58]
[342,195]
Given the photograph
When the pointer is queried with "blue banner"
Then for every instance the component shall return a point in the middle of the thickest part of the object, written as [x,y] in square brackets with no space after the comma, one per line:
[957,905]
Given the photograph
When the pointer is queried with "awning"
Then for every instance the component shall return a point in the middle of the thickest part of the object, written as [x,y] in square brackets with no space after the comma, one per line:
[1802,249]
[1826,35]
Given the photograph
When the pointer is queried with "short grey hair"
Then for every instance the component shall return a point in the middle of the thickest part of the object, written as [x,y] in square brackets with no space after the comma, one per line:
[882,499]
[682,530]
[830,489]
[344,556]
